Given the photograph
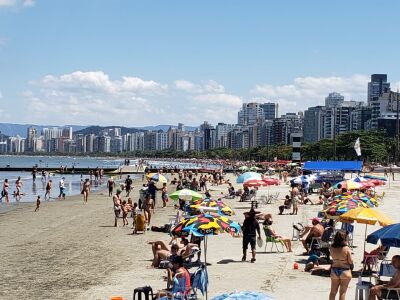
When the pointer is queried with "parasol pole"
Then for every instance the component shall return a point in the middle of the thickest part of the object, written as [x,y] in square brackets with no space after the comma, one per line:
[365,236]
[205,260]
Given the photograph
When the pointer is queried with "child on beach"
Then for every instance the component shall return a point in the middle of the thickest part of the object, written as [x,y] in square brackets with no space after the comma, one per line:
[135,212]
[124,213]
[37,203]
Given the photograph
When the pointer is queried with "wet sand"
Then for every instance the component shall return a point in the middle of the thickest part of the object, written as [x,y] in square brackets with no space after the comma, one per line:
[69,250]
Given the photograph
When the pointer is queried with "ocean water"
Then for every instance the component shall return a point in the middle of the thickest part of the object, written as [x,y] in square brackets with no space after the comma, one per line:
[57,161]
[31,189]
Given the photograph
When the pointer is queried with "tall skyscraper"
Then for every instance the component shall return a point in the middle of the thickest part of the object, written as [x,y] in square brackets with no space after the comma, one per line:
[377,86]
[250,113]
[313,124]
[334,99]
[270,110]
[31,137]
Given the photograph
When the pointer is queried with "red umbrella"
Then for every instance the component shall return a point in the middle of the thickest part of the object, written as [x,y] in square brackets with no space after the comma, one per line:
[376,182]
[255,183]
[271,181]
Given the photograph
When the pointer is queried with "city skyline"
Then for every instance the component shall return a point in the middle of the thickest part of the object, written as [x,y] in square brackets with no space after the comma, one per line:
[139,64]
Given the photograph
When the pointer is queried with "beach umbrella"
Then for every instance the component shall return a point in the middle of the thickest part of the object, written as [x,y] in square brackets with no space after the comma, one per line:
[377,182]
[208,205]
[243,168]
[303,179]
[186,195]
[205,225]
[248,175]
[255,183]
[339,207]
[157,177]
[389,236]
[375,177]
[254,168]
[349,185]
[271,181]
[245,295]
[367,216]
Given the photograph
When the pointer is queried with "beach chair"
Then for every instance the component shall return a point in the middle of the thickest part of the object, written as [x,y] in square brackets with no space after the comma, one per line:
[349,228]
[386,271]
[273,241]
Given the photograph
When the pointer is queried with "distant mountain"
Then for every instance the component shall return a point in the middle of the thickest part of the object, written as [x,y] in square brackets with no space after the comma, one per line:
[124,130]
[97,129]
[20,129]
[10,129]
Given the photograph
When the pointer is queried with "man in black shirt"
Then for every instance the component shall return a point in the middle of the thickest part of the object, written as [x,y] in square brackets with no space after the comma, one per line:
[128,185]
[250,229]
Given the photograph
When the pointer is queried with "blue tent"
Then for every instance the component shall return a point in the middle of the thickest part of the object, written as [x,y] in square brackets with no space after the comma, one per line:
[332,165]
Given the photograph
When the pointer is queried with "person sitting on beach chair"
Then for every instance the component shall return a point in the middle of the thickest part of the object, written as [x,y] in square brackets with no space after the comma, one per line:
[270,233]
[315,232]
[286,204]
[180,281]
[390,290]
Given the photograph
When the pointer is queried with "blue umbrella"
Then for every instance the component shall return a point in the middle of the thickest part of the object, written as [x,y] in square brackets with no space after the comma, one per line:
[248,175]
[246,295]
[389,236]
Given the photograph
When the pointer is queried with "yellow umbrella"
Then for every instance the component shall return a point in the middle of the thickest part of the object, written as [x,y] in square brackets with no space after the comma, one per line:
[367,216]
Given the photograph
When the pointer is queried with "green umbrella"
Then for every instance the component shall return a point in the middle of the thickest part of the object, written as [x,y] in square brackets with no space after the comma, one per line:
[243,168]
[186,195]
[254,168]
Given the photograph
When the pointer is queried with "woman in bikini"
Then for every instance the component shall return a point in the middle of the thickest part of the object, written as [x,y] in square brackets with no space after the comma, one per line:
[86,190]
[342,264]
[4,192]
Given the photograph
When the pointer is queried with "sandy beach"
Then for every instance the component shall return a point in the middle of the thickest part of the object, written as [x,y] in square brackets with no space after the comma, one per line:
[69,250]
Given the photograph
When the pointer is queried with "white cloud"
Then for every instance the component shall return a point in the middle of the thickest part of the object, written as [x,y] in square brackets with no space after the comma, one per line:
[17,3]
[95,98]
[99,82]
[309,91]
[209,86]
[8,2]
[28,3]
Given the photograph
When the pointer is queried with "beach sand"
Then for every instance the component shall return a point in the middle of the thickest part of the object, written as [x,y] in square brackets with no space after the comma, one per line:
[69,250]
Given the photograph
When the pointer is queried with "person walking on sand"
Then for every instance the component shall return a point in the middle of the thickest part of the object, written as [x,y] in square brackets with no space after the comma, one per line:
[148,206]
[117,206]
[110,185]
[61,185]
[128,185]
[37,204]
[18,187]
[164,195]
[48,189]
[4,191]
[86,190]
[250,230]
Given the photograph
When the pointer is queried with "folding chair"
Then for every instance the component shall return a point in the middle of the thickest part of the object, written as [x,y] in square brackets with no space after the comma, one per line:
[274,242]
[386,271]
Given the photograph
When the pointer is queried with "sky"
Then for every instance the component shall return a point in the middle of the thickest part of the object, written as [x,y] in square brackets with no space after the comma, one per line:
[139,63]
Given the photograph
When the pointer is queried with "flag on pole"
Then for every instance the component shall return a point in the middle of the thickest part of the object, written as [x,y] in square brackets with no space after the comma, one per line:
[357,147]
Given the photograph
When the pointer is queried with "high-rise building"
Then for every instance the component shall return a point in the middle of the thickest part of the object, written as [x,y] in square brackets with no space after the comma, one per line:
[250,113]
[313,124]
[270,110]
[334,99]
[283,127]
[31,137]
[221,131]
[377,86]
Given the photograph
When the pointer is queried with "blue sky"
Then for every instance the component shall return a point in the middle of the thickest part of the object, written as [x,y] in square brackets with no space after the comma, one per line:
[150,62]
